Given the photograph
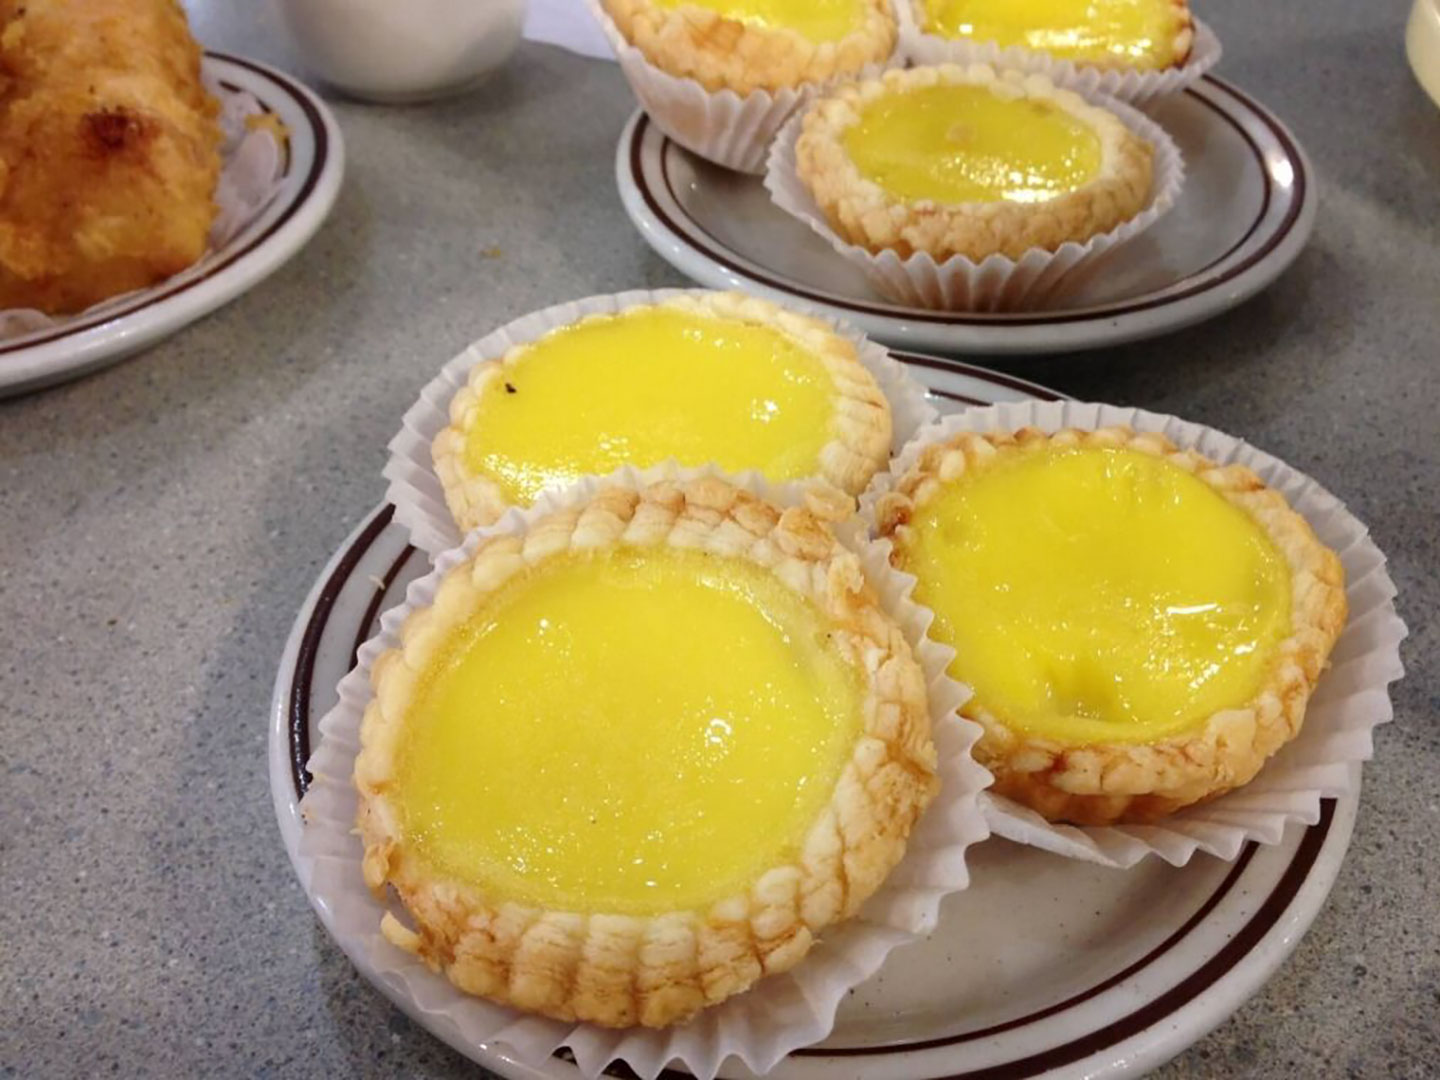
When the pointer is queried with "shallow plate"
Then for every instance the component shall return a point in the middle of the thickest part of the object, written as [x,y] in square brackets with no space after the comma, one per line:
[314,164]
[1246,212]
[1043,967]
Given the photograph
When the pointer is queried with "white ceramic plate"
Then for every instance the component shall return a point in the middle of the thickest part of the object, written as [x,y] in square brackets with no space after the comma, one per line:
[314,164]
[1043,967]
[1246,212]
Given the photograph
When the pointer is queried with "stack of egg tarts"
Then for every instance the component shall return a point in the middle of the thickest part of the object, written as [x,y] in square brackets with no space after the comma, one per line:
[649,746]
[986,150]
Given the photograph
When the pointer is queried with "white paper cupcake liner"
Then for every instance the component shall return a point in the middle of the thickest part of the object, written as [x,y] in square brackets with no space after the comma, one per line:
[1351,700]
[250,174]
[997,282]
[719,125]
[1136,87]
[415,489]
[760,1026]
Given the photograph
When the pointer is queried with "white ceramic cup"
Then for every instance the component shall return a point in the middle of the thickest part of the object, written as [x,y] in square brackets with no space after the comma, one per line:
[1422,44]
[404,50]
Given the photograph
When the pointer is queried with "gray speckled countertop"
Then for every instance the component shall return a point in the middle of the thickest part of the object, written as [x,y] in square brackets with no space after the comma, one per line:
[162,521]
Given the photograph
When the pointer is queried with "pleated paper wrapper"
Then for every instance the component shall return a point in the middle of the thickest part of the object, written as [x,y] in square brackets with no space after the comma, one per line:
[1126,84]
[759,1027]
[250,174]
[415,489]
[721,126]
[997,282]
[1350,701]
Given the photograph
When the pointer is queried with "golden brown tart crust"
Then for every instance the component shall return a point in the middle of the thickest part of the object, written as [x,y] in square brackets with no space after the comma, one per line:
[859,449]
[864,213]
[623,970]
[721,53]
[1104,784]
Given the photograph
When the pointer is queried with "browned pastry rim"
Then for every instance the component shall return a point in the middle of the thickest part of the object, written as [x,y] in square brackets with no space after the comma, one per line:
[858,449]
[623,970]
[721,53]
[1104,784]
[864,213]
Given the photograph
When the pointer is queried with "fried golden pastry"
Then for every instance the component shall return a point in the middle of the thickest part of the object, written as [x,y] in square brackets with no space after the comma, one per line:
[109,150]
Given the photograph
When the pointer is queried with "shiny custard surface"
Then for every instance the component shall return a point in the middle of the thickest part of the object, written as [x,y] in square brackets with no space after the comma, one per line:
[817,20]
[647,385]
[1098,595]
[637,731]
[964,144]
[1136,33]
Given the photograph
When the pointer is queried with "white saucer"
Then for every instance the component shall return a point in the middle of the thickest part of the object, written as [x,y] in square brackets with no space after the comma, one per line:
[1246,212]
[1043,967]
[311,180]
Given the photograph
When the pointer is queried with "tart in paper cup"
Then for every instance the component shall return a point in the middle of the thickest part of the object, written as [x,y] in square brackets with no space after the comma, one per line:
[1350,699]
[415,488]
[780,1013]
[1124,84]
[997,282]
[722,126]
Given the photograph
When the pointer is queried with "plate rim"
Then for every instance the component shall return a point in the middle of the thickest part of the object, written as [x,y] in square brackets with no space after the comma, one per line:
[1148,314]
[1139,1039]
[73,349]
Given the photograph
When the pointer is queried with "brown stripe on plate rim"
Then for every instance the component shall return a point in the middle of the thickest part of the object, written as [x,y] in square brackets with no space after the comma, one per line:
[718,253]
[1201,913]
[372,609]
[300,684]
[1273,241]
[322,155]
[1270,912]
[1000,378]
[1266,916]
[1004,319]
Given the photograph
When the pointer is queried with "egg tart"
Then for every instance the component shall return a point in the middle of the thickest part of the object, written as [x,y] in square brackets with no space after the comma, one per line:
[966,161]
[714,377]
[749,45]
[640,755]
[1146,35]
[1142,627]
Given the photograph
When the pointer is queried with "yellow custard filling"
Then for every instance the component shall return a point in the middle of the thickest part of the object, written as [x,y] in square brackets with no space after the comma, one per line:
[1098,595]
[647,385]
[817,20]
[963,144]
[638,731]
[1137,33]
